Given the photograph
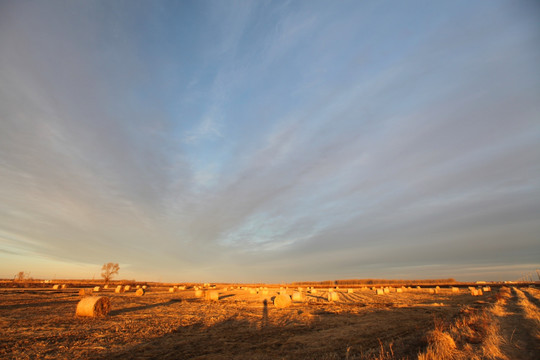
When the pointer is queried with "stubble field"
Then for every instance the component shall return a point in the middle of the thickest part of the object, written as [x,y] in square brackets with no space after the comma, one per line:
[244,324]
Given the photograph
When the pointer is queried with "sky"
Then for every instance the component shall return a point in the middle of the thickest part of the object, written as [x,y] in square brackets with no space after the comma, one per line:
[270,141]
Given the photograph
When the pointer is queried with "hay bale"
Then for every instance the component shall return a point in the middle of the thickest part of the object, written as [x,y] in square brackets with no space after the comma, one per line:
[252,291]
[313,291]
[140,292]
[127,288]
[486,289]
[211,295]
[138,286]
[398,290]
[93,306]
[119,289]
[85,292]
[64,286]
[172,289]
[379,291]
[199,293]
[350,291]
[431,291]
[333,296]
[105,286]
[455,289]
[298,296]
[181,288]
[386,290]
[282,301]
[56,287]
[144,287]
[97,289]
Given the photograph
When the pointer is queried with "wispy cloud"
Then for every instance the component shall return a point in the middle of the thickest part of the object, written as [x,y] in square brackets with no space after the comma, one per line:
[300,141]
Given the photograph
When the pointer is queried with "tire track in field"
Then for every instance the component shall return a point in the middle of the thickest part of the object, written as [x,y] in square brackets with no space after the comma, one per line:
[516,331]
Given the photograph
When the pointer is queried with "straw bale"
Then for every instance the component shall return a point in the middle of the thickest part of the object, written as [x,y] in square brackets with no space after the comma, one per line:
[282,301]
[486,289]
[85,292]
[399,290]
[333,296]
[119,289]
[144,287]
[127,288]
[455,289]
[298,296]
[140,292]
[93,306]
[350,291]
[211,295]
[313,291]
[56,287]
[172,289]
[97,289]
[64,286]
[199,293]
[379,292]
[105,286]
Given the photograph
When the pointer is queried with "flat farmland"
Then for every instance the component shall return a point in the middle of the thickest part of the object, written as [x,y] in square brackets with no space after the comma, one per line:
[245,324]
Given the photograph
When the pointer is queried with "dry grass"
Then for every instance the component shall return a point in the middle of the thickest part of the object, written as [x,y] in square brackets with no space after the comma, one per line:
[473,335]
[530,310]
[241,325]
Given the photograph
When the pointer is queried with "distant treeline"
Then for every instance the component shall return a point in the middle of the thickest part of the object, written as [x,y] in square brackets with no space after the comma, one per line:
[374,282]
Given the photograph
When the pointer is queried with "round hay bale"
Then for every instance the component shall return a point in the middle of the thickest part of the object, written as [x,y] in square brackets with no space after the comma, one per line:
[333,296]
[297,296]
[85,292]
[211,295]
[455,289]
[97,289]
[181,288]
[140,292]
[56,287]
[119,289]
[138,286]
[105,286]
[64,286]
[282,301]
[127,288]
[199,293]
[93,306]
[172,289]
[144,287]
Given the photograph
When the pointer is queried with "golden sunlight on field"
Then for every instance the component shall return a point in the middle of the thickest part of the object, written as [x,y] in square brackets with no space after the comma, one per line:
[269,322]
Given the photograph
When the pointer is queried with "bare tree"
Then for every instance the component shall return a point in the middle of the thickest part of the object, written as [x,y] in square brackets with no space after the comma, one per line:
[109,270]
[21,276]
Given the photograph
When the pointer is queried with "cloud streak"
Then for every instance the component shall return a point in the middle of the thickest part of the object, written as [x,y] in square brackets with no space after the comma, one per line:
[257,142]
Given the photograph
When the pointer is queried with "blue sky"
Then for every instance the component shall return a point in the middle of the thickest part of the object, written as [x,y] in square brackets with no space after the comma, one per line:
[270,140]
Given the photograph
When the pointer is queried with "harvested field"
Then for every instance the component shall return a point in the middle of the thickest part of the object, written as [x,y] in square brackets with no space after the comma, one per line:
[41,323]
